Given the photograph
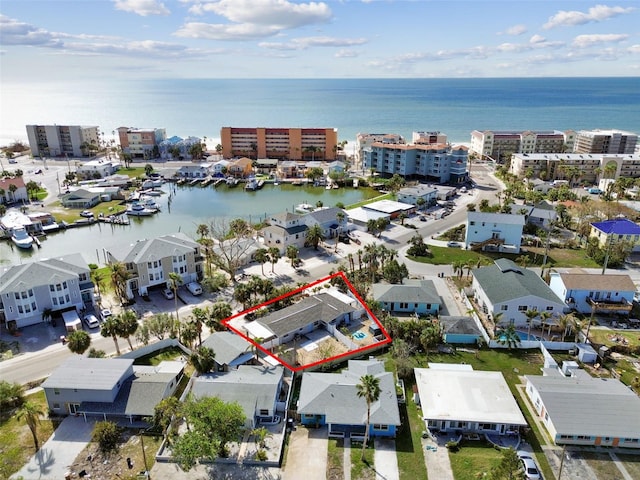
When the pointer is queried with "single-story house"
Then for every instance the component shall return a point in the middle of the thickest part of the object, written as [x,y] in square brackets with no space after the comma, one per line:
[359,217]
[80,198]
[429,195]
[460,329]
[616,230]
[257,389]
[331,399]
[100,167]
[446,193]
[390,207]
[231,350]
[585,292]
[110,387]
[311,313]
[336,166]
[541,215]
[454,397]
[583,410]
[412,296]
[507,289]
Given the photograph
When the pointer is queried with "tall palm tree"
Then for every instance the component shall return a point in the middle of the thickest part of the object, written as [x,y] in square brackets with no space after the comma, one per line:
[274,256]
[111,328]
[567,323]
[219,311]
[261,256]
[544,316]
[203,360]
[30,412]
[119,278]
[292,255]
[314,236]
[175,280]
[128,325]
[531,316]
[369,389]
[509,337]
[78,341]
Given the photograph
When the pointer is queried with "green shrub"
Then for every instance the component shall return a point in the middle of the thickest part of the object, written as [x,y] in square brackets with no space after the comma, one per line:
[261,455]
[107,436]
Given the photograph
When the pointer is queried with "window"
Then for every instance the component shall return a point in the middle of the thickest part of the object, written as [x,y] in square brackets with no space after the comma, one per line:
[522,308]
[504,308]
[549,309]
[56,391]
[264,412]
[378,426]
[56,405]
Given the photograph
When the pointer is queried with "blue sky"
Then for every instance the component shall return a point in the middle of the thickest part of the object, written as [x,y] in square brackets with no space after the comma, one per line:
[52,40]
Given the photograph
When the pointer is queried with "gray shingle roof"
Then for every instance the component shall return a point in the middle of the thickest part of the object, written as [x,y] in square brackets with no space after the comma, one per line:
[459,325]
[322,307]
[253,387]
[411,291]
[30,275]
[325,215]
[505,281]
[228,347]
[583,405]
[286,216]
[88,373]
[155,248]
[281,231]
[335,396]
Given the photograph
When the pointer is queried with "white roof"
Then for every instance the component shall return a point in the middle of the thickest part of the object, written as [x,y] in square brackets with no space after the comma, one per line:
[466,395]
[363,215]
[388,206]
[258,331]
[504,218]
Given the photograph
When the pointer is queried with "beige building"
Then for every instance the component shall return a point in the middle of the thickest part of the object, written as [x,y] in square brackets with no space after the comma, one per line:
[141,142]
[496,144]
[280,143]
[605,141]
[61,140]
[577,167]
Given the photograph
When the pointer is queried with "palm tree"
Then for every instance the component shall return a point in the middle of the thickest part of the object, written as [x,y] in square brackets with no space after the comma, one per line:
[544,316]
[509,337]
[314,236]
[111,328]
[420,202]
[78,341]
[261,256]
[567,323]
[128,325]
[531,316]
[292,255]
[119,278]
[203,360]
[175,280]
[219,311]
[369,389]
[274,256]
[30,412]
[203,230]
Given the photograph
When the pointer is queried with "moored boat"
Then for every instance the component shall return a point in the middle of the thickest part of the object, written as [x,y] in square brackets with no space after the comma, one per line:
[137,209]
[21,238]
[251,185]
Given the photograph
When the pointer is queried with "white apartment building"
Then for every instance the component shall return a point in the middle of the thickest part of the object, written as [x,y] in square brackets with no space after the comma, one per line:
[61,140]
[605,141]
[577,167]
[496,144]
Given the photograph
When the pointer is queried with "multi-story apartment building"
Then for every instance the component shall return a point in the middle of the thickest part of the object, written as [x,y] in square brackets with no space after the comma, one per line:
[149,262]
[575,167]
[497,144]
[141,142]
[61,140]
[30,290]
[436,163]
[280,143]
[429,138]
[365,140]
[605,141]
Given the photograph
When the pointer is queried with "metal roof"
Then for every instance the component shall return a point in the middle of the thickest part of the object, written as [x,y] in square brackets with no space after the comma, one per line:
[89,373]
[500,218]
[620,226]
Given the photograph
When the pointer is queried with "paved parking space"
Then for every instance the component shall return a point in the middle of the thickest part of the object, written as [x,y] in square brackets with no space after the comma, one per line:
[385,459]
[307,455]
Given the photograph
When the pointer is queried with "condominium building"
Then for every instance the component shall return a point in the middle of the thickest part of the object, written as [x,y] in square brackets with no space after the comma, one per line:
[497,144]
[365,140]
[576,167]
[141,142]
[437,163]
[280,143]
[61,140]
[429,138]
[605,141]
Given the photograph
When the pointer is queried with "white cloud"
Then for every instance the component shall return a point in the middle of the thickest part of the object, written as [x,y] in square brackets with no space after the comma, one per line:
[142,7]
[210,31]
[536,42]
[582,41]
[307,42]
[516,30]
[634,49]
[598,13]
[344,53]
[14,32]
[537,39]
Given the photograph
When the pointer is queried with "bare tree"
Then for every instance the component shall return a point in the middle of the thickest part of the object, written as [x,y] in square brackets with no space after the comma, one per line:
[233,241]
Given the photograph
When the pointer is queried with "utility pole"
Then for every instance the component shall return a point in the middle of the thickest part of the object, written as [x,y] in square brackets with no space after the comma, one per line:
[606,257]
[564,448]
[144,456]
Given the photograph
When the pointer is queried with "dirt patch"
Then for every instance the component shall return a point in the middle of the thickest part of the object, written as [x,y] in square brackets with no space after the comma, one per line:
[602,465]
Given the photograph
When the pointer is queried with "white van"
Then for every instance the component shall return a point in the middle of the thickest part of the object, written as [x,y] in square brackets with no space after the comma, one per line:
[194,288]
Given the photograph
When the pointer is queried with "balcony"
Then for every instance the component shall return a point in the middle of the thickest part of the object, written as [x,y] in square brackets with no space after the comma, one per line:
[601,305]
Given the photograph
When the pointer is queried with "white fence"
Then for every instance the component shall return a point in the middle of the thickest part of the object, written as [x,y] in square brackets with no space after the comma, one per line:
[475,317]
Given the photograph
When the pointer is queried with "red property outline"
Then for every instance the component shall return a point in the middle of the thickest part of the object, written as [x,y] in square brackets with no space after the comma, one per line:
[387,338]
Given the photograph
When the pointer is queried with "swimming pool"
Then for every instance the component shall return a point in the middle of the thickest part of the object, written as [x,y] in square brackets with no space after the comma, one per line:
[522,335]
[359,335]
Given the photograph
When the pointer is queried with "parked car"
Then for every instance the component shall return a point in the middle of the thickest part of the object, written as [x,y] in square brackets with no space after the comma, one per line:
[13,161]
[422,218]
[91,321]
[194,288]
[86,214]
[595,190]
[105,313]
[453,244]
[531,471]
[38,171]
[523,454]
[167,293]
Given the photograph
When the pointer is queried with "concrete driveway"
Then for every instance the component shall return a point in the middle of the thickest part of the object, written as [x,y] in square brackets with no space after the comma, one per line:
[59,452]
[307,456]
[385,459]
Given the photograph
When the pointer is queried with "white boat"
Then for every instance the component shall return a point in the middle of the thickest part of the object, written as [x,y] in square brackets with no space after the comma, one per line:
[304,208]
[232,182]
[21,238]
[251,184]
[328,187]
[139,210]
[150,203]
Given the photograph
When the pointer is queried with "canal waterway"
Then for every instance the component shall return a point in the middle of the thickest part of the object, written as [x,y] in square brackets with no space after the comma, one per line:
[183,208]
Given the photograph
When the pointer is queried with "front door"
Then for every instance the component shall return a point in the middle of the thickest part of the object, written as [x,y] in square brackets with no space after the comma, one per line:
[73,408]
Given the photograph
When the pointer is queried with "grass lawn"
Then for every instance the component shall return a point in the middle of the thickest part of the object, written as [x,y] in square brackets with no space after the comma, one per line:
[605,337]
[631,463]
[132,172]
[16,442]
[386,196]
[70,215]
[602,465]
[335,459]
[154,359]
[557,257]
[360,470]
[473,460]
[408,445]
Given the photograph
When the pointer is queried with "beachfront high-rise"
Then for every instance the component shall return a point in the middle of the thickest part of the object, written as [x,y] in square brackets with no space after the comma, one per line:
[498,144]
[605,141]
[62,140]
[280,143]
[141,142]
[438,163]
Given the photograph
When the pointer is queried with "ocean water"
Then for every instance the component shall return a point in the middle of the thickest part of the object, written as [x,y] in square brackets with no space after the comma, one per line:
[200,107]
